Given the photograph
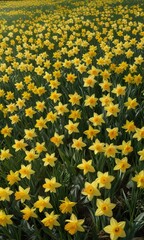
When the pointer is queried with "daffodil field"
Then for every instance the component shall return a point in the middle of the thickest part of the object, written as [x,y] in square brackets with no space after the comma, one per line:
[71,120]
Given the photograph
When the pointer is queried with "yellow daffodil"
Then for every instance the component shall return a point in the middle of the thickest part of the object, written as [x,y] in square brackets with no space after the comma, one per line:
[50,220]
[122,164]
[90,190]
[97,147]
[125,147]
[139,179]
[5,194]
[28,213]
[51,185]
[5,218]
[104,180]
[112,132]
[13,177]
[26,171]
[78,144]
[74,99]
[139,133]
[57,139]
[115,229]
[72,127]
[86,166]
[74,225]
[49,159]
[6,131]
[104,207]
[5,154]
[110,150]
[66,206]
[141,153]
[97,120]
[22,194]
[19,145]
[42,203]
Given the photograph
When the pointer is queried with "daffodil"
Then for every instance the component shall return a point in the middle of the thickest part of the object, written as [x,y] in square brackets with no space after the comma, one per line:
[97,147]
[122,164]
[26,171]
[74,99]
[97,120]
[5,154]
[50,220]
[141,153]
[139,179]
[19,145]
[91,101]
[91,132]
[104,207]
[104,180]
[139,135]
[57,139]
[28,212]
[6,131]
[49,159]
[51,185]
[13,177]
[112,132]
[125,147]
[86,166]
[5,218]
[78,144]
[115,229]
[66,206]
[72,127]
[74,225]
[5,194]
[42,203]
[90,190]
[110,150]
[22,194]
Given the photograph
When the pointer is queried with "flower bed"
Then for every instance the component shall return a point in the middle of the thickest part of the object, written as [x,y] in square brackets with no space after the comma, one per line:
[71,121]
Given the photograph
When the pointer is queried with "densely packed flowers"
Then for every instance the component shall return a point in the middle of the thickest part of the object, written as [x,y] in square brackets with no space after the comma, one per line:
[71,120]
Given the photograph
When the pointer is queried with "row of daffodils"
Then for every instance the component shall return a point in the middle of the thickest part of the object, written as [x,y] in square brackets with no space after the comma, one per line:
[71,122]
